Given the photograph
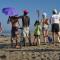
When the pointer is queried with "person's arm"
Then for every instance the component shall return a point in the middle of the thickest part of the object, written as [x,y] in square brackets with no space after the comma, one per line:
[19,17]
[50,20]
[29,21]
[59,19]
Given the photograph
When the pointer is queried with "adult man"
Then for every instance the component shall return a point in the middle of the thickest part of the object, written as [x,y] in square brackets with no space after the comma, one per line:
[55,24]
[25,26]
[14,29]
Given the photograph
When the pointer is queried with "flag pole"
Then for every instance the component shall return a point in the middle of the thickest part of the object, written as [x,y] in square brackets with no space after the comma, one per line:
[38,14]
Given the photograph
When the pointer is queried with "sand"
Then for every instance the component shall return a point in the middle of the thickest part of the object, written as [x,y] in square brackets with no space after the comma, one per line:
[43,52]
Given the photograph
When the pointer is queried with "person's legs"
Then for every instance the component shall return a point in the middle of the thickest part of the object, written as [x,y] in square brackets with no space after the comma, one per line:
[53,31]
[38,40]
[16,37]
[12,36]
[43,32]
[23,41]
[24,36]
[17,44]
[35,40]
[58,36]
[16,41]
[45,36]
[57,31]
[11,41]
[28,35]
[29,38]
[53,36]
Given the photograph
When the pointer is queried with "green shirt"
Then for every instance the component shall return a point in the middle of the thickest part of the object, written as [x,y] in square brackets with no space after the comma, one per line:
[37,30]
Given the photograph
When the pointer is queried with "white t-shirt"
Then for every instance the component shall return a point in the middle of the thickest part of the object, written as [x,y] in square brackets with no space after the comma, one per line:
[55,18]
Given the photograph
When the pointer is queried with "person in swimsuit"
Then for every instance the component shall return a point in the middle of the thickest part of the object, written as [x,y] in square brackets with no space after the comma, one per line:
[44,26]
[14,29]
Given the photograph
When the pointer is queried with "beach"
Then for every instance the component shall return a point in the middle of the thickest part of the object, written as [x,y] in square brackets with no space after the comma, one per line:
[42,52]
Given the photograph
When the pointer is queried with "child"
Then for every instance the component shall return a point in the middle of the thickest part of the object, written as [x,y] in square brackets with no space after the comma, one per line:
[37,33]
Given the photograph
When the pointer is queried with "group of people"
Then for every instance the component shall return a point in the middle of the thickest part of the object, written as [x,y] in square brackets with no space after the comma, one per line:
[54,20]
[40,26]
[14,20]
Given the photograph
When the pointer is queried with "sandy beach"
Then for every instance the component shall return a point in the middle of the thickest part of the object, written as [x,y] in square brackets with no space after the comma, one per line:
[42,52]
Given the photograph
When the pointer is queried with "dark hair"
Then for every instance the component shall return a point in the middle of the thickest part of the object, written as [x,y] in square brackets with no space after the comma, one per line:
[37,23]
[53,12]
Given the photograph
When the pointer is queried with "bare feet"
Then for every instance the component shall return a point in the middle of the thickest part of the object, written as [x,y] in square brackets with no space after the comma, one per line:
[17,46]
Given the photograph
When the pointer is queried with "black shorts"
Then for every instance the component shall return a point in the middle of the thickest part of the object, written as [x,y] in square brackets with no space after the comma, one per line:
[36,36]
[55,27]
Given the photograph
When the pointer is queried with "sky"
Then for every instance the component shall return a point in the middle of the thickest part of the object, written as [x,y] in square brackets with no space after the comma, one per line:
[31,5]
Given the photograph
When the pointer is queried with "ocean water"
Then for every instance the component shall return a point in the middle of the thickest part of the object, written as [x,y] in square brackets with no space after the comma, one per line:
[5,33]
[8,32]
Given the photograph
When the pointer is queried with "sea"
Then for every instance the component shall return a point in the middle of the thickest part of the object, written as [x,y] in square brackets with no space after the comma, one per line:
[8,32]
[5,33]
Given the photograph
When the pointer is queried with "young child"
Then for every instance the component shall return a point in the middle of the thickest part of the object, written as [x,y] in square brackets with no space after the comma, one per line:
[37,33]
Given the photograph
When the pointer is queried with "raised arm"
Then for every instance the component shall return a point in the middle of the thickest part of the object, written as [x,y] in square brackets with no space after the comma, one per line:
[19,17]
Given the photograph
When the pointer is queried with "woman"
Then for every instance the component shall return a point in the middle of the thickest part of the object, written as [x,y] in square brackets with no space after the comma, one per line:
[14,29]
[45,26]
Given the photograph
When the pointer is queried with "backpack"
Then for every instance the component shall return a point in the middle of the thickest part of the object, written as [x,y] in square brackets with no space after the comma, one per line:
[49,39]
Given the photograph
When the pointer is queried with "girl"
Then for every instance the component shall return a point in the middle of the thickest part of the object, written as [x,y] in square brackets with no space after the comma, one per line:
[37,33]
